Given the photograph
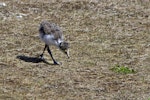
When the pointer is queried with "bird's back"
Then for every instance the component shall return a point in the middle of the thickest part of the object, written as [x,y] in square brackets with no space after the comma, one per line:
[51,29]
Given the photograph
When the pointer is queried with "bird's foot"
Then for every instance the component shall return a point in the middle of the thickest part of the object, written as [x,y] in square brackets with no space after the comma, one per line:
[41,57]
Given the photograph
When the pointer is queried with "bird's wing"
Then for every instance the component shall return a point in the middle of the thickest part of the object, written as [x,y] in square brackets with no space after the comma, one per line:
[51,28]
[46,27]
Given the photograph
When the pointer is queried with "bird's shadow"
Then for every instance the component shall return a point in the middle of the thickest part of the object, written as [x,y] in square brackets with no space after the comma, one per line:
[32,59]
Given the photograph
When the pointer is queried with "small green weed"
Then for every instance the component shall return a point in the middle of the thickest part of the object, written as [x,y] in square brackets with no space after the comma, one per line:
[122,69]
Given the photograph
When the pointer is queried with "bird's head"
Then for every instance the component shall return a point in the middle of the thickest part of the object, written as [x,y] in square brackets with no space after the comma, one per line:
[64,47]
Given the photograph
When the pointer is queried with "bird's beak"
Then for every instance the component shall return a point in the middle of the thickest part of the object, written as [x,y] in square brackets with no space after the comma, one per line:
[67,53]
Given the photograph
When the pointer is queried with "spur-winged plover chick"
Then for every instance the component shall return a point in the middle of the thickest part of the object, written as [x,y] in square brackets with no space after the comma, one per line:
[51,34]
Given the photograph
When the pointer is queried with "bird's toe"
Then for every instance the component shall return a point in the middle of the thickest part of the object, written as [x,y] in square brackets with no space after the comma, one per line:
[57,63]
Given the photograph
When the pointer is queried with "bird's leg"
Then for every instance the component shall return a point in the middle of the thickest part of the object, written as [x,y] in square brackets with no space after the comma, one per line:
[50,53]
[41,56]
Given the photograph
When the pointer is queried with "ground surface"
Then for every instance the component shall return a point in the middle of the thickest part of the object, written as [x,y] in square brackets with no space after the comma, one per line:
[101,34]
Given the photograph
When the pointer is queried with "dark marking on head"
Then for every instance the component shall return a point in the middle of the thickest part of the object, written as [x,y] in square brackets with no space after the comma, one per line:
[64,45]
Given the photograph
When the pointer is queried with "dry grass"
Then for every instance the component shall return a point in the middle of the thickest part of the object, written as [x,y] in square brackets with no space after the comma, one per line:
[102,33]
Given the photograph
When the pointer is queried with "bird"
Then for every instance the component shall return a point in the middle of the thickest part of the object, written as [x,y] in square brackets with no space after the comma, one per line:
[52,35]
